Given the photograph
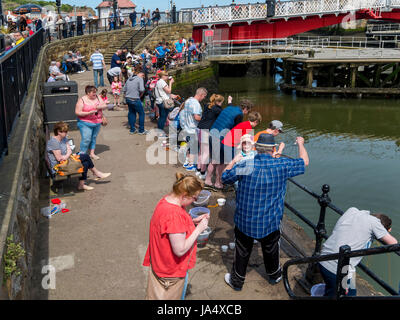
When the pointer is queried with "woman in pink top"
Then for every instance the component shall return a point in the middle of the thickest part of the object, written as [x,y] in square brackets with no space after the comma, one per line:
[89,110]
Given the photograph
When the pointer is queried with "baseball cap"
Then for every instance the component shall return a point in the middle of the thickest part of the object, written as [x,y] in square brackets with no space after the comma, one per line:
[266,140]
[277,125]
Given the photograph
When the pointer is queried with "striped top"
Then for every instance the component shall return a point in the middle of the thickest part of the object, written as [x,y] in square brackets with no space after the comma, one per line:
[97,60]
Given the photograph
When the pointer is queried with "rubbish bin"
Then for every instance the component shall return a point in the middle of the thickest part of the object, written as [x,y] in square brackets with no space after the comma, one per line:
[60,98]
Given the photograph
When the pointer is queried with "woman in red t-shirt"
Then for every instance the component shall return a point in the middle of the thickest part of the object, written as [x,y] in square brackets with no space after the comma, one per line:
[172,245]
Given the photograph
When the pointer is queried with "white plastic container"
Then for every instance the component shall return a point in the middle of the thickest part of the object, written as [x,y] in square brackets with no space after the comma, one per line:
[231,245]
[224,248]
[221,202]
[203,237]
[202,199]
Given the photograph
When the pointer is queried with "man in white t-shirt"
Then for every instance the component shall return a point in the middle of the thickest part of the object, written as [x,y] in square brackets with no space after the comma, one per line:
[357,229]
[189,118]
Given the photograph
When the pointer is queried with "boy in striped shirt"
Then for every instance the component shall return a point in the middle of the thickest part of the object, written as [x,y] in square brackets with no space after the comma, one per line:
[98,67]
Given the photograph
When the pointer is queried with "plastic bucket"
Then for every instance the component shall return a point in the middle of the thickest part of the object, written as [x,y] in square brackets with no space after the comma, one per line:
[195,212]
[318,290]
[203,237]
[202,199]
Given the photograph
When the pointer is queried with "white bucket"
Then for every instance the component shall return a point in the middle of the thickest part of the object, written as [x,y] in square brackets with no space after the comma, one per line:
[318,290]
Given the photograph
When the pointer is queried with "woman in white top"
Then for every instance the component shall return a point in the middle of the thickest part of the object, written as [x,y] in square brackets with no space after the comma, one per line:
[163,91]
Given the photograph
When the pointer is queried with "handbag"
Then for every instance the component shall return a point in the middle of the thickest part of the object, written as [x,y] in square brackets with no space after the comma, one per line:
[168,103]
[72,165]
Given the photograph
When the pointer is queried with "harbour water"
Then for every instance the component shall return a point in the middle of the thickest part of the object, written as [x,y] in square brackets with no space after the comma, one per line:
[354,147]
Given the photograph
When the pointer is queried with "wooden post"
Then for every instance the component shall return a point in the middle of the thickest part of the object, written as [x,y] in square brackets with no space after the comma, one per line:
[331,76]
[268,67]
[309,76]
[353,75]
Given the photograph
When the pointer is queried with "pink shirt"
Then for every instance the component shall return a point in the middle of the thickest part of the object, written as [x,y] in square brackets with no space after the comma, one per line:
[92,118]
[116,87]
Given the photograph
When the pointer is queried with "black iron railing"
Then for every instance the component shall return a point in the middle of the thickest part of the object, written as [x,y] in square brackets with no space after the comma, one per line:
[16,67]
[77,28]
[320,234]
[130,42]
[343,258]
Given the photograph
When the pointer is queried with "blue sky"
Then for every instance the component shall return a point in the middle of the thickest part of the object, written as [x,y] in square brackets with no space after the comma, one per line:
[162,4]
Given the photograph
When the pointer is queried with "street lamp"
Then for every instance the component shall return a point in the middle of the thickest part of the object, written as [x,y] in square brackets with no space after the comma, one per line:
[58,3]
[115,5]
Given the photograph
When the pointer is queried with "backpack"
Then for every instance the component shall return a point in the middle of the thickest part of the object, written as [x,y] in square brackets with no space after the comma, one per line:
[151,85]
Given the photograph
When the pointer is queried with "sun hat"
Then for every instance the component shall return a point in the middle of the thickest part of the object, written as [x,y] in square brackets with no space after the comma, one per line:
[246,138]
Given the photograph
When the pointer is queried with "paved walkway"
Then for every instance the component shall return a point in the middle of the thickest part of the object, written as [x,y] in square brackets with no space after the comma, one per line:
[98,248]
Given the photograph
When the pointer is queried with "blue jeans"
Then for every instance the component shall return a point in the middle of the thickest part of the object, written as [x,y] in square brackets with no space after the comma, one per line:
[163,116]
[330,283]
[135,106]
[89,132]
[96,73]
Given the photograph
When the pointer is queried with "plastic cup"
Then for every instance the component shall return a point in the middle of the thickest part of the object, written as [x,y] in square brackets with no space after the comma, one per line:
[231,245]
[224,248]
[221,202]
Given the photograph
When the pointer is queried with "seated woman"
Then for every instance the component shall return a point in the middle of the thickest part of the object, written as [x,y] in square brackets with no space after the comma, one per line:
[58,149]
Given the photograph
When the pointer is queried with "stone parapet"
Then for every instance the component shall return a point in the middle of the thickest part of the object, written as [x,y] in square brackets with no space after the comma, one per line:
[167,33]
[20,174]
[86,44]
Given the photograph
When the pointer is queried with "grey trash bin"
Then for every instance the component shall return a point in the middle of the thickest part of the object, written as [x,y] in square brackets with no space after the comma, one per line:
[60,98]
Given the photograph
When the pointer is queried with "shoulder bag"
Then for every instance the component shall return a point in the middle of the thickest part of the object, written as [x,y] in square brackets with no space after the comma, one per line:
[72,165]
[168,103]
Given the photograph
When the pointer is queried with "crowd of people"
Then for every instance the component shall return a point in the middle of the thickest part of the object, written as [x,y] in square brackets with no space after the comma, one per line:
[19,31]
[221,153]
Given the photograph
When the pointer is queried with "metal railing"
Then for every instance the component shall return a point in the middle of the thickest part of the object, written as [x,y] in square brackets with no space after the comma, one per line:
[72,28]
[296,44]
[320,234]
[16,67]
[129,43]
[282,9]
[386,28]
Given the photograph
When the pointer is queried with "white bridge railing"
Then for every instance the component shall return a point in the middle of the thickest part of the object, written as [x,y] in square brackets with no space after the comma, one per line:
[283,9]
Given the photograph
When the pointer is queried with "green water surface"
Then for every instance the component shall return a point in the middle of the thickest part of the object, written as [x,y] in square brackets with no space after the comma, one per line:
[353,145]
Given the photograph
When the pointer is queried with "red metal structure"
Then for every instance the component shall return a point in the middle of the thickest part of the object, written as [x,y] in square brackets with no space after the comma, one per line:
[282,28]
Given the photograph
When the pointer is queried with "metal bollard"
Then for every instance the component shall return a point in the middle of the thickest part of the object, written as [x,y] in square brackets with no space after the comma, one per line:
[320,231]
[341,274]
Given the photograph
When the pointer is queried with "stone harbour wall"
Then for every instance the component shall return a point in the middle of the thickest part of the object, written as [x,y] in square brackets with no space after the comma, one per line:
[166,33]
[86,44]
[20,173]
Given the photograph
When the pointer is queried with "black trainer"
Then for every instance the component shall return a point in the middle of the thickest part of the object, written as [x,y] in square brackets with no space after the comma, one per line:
[228,282]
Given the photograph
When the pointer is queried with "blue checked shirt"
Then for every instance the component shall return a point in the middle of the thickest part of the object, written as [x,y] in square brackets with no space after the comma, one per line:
[261,192]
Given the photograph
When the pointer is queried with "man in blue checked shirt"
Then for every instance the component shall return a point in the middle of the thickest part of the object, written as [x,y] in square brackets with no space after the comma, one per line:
[259,205]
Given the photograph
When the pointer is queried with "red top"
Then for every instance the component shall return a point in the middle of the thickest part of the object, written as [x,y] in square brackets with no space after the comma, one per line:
[232,138]
[169,218]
